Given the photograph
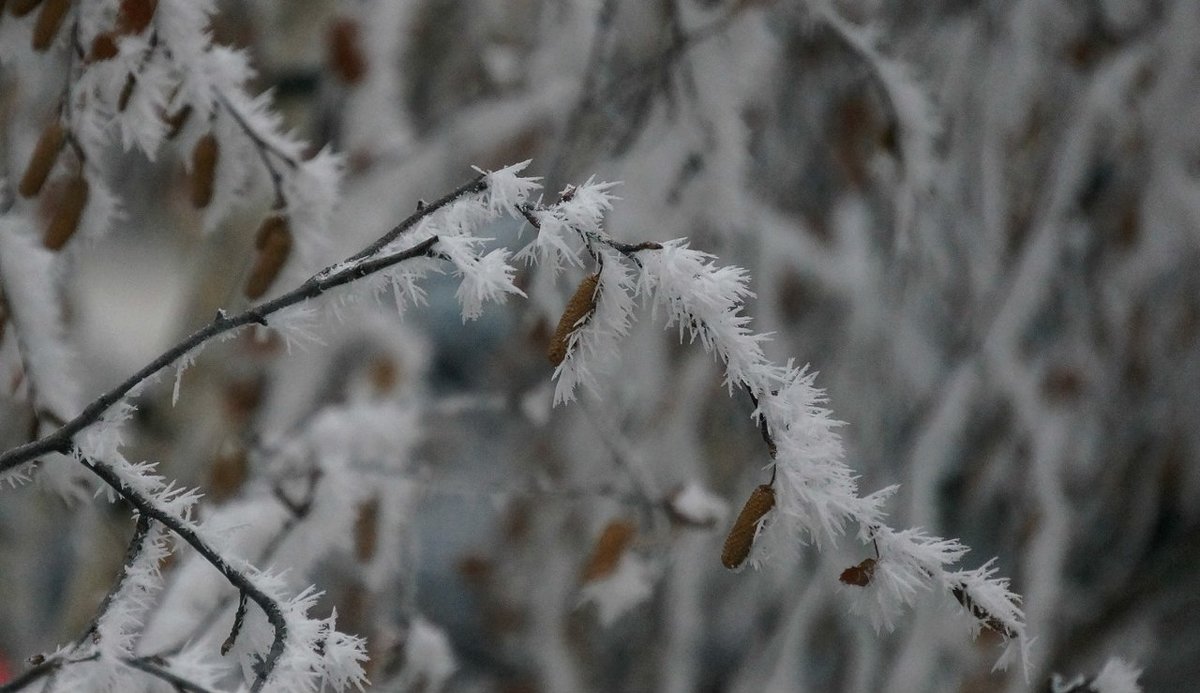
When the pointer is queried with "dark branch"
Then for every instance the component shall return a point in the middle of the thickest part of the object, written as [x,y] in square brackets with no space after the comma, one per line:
[329,278]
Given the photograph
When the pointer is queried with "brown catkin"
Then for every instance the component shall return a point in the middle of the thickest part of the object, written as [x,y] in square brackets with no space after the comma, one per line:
[135,15]
[204,169]
[741,535]
[274,244]
[345,51]
[20,8]
[366,530]
[582,302]
[65,221]
[48,22]
[45,153]
[104,47]
[609,549]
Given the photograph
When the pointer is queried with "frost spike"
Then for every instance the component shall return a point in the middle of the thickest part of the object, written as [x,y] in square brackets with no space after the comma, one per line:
[609,549]
[204,168]
[45,153]
[66,218]
[20,8]
[48,22]
[582,302]
[274,243]
[741,535]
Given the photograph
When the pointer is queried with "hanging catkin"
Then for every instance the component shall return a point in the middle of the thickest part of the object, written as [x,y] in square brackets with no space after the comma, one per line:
[204,169]
[45,153]
[741,536]
[582,302]
[274,243]
[69,211]
[48,22]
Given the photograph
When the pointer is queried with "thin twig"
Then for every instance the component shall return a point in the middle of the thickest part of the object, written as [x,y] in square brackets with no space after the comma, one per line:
[156,667]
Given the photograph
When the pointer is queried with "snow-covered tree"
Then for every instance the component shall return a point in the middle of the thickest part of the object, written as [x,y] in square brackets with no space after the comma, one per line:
[445,345]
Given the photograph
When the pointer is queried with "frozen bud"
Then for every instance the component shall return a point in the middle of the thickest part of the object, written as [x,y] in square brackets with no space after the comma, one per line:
[745,528]
[345,51]
[578,308]
[45,153]
[67,213]
[135,15]
[20,8]
[204,169]
[274,243]
[859,575]
[609,549]
[48,22]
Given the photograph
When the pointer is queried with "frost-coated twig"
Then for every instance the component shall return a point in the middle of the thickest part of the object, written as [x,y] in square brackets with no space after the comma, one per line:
[237,578]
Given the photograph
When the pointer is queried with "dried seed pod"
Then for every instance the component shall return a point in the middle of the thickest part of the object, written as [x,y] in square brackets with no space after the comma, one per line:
[48,21]
[859,575]
[176,121]
[609,549]
[20,8]
[204,169]
[366,530]
[65,221]
[582,302]
[104,47]
[135,15]
[741,535]
[45,153]
[274,244]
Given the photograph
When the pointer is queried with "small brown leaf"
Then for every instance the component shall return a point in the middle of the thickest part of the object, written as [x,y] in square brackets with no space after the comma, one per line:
[582,302]
[41,162]
[741,535]
[67,214]
[204,169]
[609,549]
[126,92]
[859,575]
